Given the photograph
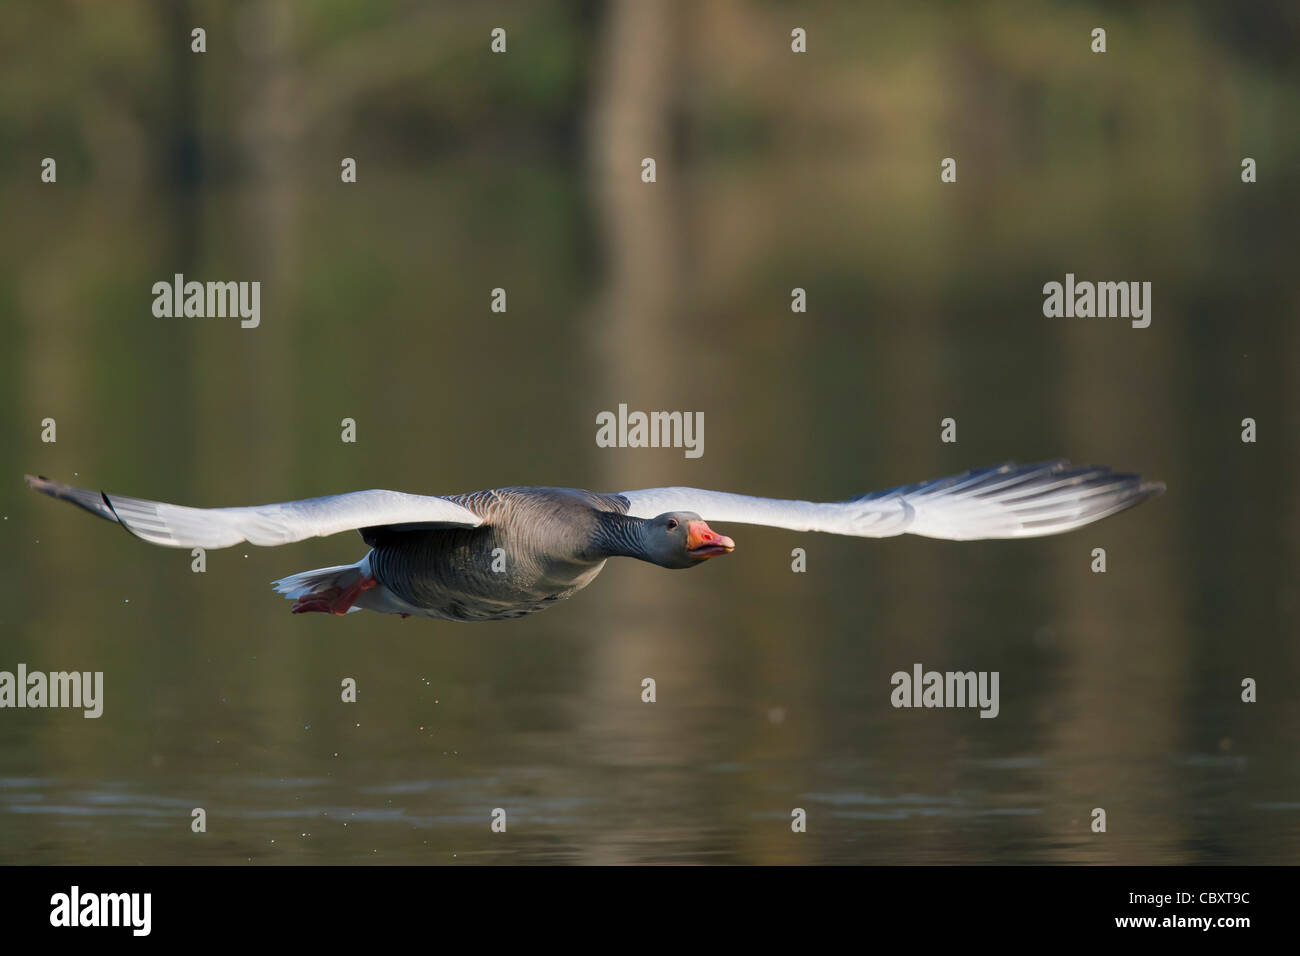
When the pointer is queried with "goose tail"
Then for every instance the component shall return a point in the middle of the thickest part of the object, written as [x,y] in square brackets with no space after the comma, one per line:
[329,590]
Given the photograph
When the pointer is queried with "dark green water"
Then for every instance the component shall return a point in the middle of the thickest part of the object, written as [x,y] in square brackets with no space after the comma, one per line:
[1119,691]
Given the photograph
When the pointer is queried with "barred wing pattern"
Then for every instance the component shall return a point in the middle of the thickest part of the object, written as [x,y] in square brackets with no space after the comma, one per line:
[176,526]
[1006,501]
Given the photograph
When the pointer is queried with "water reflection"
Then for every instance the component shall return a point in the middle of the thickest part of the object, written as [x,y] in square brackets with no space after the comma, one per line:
[1119,691]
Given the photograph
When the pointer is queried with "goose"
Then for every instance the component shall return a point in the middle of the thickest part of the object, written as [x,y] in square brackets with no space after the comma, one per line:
[504,553]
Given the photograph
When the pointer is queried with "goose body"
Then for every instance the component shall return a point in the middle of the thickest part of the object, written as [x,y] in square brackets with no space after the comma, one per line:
[504,553]
[535,546]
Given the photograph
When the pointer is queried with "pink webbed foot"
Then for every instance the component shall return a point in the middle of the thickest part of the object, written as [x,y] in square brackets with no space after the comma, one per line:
[333,600]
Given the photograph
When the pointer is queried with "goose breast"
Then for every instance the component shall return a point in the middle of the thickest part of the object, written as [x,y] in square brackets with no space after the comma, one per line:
[530,551]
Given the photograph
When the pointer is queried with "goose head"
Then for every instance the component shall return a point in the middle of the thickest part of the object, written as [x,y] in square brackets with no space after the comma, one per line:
[681,539]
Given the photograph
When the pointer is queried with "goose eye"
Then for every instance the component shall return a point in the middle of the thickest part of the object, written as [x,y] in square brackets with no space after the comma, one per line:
[672,523]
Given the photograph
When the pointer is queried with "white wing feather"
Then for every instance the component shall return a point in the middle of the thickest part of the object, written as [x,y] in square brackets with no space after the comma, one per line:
[176,526]
[1008,501]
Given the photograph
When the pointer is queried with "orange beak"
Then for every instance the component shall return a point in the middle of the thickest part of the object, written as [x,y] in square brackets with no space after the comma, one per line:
[701,542]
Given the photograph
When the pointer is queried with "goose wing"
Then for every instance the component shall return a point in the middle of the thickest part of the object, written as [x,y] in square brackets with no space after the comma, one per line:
[176,526]
[1006,501]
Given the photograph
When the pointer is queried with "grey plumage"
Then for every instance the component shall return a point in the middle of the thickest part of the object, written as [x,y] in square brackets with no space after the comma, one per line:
[536,546]
[491,555]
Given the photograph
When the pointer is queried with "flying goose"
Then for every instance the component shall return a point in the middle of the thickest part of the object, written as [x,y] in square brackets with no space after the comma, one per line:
[491,555]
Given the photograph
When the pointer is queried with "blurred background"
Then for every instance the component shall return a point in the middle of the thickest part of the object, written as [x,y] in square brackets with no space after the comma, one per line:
[775,171]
